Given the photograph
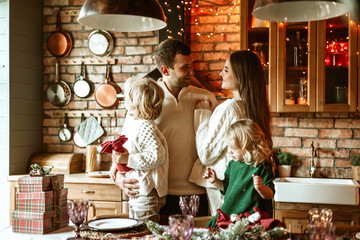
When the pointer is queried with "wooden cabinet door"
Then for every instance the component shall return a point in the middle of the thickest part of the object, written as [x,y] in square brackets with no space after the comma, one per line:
[295,77]
[295,221]
[104,208]
[337,83]
[259,36]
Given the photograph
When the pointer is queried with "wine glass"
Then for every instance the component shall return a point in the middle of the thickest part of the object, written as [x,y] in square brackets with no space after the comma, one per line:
[181,226]
[189,204]
[78,210]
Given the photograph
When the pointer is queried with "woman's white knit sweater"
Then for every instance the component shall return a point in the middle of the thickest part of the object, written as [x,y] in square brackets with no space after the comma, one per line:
[210,131]
[148,155]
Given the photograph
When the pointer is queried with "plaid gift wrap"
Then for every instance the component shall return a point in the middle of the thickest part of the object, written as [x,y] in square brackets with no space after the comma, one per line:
[39,201]
[39,183]
[38,223]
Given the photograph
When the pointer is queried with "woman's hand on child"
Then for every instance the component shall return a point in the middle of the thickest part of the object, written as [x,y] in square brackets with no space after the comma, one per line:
[128,185]
[203,104]
[210,175]
[258,182]
[120,157]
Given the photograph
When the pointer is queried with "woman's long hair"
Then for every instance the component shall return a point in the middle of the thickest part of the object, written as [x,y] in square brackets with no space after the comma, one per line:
[249,74]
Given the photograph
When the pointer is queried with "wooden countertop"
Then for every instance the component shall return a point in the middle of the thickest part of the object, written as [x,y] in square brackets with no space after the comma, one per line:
[71,178]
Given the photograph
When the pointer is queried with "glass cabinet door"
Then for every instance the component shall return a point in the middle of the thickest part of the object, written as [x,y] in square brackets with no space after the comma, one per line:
[337,86]
[261,40]
[296,66]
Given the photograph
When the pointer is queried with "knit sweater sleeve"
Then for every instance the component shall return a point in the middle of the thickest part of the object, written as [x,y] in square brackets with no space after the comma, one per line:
[210,134]
[151,152]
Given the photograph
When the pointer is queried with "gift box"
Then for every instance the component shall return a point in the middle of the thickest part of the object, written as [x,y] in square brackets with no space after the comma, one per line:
[40,183]
[37,222]
[39,201]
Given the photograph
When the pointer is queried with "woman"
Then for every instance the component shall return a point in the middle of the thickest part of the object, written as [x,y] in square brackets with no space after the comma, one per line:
[244,76]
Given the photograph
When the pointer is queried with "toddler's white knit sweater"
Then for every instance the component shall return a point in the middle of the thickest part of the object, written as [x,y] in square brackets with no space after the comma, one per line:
[148,155]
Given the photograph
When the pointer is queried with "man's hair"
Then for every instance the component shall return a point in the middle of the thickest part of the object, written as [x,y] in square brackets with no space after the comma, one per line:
[165,53]
[247,136]
[144,98]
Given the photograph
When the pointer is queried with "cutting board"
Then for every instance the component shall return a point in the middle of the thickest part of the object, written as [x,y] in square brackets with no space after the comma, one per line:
[65,163]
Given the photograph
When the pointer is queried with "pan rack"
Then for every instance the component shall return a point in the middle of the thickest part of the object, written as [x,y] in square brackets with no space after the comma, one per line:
[87,113]
[87,61]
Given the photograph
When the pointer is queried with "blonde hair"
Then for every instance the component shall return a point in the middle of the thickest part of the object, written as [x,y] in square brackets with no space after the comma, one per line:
[246,136]
[143,98]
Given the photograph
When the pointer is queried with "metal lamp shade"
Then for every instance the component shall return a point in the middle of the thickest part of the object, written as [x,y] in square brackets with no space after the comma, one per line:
[122,15]
[298,10]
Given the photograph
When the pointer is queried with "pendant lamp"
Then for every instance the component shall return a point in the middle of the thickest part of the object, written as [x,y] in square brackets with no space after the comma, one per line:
[299,10]
[122,15]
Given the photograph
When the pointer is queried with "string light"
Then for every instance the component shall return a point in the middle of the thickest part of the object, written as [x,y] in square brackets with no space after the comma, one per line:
[217,10]
[195,10]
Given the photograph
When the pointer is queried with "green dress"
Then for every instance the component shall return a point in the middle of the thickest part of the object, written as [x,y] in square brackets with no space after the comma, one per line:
[240,194]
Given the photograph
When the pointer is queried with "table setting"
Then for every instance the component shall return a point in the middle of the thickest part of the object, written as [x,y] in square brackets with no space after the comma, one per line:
[181,226]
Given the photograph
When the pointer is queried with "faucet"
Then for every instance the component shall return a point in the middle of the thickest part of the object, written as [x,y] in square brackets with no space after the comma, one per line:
[312,163]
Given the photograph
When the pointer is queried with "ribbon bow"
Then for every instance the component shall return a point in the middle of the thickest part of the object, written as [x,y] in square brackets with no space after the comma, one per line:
[116,145]
[258,217]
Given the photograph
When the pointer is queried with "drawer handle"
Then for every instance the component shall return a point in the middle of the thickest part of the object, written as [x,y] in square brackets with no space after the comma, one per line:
[87,191]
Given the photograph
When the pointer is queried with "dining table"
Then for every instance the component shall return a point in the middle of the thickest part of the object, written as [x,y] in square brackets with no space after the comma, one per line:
[59,234]
[342,232]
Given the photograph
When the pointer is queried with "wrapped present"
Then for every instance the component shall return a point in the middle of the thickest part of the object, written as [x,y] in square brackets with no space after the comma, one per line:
[39,222]
[39,201]
[41,183]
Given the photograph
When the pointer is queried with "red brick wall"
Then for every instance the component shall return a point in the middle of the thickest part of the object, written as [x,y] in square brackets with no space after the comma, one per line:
[213,38]
[133,55]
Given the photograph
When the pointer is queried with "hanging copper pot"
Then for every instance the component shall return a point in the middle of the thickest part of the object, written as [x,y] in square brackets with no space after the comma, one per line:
[59,42]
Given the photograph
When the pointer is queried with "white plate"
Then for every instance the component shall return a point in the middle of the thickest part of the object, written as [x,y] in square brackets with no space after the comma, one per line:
[111,224]
[357,235]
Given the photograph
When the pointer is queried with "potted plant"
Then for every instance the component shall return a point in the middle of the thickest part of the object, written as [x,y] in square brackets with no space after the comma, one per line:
[355,165]
[285,160]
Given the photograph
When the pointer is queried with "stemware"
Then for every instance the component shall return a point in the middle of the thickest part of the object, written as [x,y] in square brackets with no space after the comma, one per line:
[181,226]
[189,204]
[78,210]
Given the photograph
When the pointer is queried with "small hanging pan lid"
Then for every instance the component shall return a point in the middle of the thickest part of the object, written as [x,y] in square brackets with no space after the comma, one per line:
[82,87]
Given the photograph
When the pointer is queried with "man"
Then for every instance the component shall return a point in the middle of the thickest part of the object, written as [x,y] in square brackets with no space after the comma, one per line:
[176,122]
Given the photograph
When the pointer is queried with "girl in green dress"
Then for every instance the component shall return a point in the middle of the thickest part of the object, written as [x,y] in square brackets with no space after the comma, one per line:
[248,181]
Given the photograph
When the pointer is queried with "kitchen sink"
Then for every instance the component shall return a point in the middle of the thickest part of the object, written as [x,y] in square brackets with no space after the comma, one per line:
[317,190]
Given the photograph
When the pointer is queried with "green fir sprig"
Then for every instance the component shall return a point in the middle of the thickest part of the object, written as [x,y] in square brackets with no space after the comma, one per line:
[239,230]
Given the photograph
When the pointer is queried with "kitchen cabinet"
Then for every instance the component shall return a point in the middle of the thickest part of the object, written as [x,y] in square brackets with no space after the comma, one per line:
[103,195]
[308,66]
[294,215]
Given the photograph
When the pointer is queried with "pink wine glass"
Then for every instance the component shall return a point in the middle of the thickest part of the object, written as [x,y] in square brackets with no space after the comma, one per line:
[78,210]
[181,226]
[189,204]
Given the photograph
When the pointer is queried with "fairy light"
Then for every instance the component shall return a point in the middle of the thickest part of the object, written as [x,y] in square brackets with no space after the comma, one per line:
[218,10]
[170,9]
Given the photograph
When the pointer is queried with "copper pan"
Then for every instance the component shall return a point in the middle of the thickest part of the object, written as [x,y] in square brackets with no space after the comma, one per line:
[105,93]
[59,43]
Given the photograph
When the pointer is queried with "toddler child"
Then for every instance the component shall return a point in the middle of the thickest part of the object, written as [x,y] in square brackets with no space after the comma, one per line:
[145,152]
[248,177]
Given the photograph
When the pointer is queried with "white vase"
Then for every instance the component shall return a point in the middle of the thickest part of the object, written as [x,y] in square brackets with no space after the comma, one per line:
[284,170]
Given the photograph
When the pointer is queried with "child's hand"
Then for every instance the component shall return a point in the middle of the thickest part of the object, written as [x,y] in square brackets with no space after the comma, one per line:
[210,175]
[120,157]
[258,182]
[203,104]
